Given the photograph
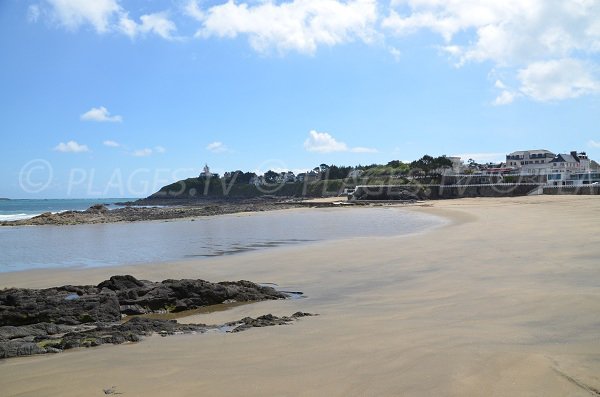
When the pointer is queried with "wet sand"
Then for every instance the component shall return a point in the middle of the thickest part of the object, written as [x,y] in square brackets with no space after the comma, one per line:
[504,301]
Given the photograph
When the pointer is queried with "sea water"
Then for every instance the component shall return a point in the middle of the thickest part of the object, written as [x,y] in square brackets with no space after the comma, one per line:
[31,247]
[12,210]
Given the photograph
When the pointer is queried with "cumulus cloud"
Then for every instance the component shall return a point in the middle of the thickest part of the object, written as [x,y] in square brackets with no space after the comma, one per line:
[71,147]
[103,16]
[100,114]
[74,13]
[529,39]
[534,38]
[558,79]
[217,147]
[142,152]
[322,142]
[145,152]
[506,32]
[111,143]
[298,25]
[158,23]
[506,97]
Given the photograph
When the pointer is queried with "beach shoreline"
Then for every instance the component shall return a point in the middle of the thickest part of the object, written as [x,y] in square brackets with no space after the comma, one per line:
[496,302]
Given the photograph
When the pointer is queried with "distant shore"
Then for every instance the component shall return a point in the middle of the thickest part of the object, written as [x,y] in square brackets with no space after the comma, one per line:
[154,210]
[171,209]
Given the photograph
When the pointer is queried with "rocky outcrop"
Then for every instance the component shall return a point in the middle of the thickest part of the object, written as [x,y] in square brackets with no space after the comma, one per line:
[56,319]
[121,295]
[71,305]
[134,330]
[174,209]
[141,297]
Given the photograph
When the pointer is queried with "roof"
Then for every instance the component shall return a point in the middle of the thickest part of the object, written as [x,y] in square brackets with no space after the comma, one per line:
[523,152]
[565,158]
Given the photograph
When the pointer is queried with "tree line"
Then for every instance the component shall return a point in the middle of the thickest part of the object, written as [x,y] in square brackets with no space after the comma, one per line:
[426,165]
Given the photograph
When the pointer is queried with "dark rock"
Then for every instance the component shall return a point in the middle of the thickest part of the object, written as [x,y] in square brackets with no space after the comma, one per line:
[97,209]
[13,348]
[119,283]
[56,319]
[56,305]
[41,329]
[73,305]
[139,297]
[268,320]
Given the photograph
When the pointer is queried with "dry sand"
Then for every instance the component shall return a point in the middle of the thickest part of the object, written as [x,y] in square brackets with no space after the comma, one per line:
[505,301]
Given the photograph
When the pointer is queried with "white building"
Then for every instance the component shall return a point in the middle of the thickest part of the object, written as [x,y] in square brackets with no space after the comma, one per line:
[458,166]
[530,162]
[564,167]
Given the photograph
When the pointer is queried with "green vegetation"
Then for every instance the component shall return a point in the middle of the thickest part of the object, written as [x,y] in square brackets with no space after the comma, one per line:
[324,180]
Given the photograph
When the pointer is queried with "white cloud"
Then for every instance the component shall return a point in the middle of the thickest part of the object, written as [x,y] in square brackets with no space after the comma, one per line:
[71,147]
[145,152]
[505,98]
[157,23]
[103,16]
[594,144]
[534,38]
[142,152]
[506,32]
[217,147]
[322,142]
[193,10]
[558,79]
[482,157]
[100,114]
[74,13]
[111,143]
[298,25]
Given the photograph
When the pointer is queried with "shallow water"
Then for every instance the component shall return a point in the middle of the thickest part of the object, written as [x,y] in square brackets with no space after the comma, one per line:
[31,247]
[12,210]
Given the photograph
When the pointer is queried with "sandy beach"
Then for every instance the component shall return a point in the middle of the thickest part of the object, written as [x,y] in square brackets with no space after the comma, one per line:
[503,301]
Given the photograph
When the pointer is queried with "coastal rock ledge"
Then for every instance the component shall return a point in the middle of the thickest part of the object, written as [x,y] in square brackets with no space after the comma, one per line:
[38,321]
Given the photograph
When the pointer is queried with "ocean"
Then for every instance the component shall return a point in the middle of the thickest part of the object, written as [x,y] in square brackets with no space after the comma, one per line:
[36,247]
[12,210]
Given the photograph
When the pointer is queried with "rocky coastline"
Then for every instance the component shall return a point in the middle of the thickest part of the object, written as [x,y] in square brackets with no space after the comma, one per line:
[40,321]
[148,210]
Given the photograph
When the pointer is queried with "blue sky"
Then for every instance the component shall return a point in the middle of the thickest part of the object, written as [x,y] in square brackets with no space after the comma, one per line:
[117,98]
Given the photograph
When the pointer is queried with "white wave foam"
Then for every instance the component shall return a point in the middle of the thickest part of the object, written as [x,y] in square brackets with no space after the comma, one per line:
[16,217]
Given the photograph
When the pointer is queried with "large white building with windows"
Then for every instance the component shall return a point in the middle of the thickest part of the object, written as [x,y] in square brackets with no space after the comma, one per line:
[530,162]
[560,169]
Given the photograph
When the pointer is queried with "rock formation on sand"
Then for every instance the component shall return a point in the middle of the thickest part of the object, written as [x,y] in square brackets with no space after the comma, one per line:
[54,319]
